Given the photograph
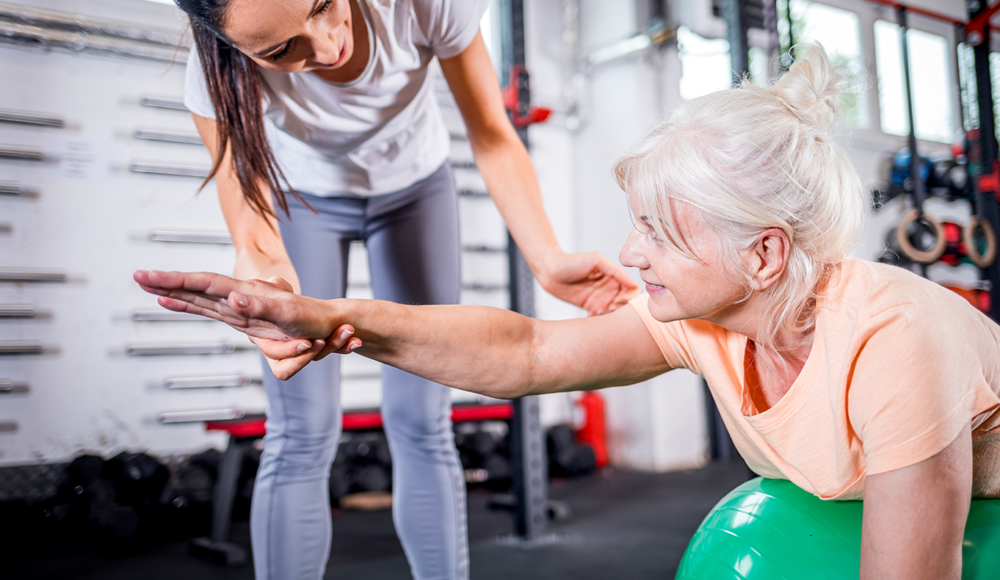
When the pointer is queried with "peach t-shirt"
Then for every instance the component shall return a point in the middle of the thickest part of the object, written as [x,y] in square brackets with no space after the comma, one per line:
[898,367]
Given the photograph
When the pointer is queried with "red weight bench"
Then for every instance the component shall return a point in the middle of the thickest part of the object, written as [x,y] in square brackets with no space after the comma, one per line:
[244,431]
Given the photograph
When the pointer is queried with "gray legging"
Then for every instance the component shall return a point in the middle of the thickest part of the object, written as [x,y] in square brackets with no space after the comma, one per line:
[412,240]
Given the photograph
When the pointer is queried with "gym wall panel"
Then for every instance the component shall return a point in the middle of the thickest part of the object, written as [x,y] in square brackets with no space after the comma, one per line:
[90,216]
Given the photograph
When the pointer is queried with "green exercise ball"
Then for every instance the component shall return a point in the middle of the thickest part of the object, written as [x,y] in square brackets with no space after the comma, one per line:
[769,529]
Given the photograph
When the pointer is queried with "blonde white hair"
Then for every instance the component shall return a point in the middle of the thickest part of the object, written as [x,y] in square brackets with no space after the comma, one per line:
[749,159]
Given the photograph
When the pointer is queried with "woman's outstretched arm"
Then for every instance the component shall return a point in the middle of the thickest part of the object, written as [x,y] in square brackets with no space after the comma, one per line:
[484,350]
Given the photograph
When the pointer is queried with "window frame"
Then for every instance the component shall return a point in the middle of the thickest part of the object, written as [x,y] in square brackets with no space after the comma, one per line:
[868,13]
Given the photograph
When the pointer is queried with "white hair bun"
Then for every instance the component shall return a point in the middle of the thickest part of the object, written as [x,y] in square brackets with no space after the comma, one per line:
[811,88]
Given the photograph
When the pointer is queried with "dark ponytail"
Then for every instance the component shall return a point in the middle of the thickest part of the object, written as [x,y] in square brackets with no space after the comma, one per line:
[234,84]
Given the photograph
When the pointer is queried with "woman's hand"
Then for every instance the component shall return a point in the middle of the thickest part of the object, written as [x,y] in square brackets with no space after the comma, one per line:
[590,281]
[276,319]
[286,358]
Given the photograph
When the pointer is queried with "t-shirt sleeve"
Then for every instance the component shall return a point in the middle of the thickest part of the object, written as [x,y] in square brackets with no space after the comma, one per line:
[449,25]
[913,387]
[196,97]
[671,337]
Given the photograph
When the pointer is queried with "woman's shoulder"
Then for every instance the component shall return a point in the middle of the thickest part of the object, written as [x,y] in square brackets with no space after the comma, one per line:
[862,289]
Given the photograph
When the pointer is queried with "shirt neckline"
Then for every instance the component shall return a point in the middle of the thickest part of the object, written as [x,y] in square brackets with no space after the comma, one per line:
[786,406]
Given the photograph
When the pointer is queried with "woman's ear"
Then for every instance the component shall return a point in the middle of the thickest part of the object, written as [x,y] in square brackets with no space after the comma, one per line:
[768,259]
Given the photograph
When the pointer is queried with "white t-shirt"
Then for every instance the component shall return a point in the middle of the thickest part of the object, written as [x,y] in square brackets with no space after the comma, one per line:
[379,133]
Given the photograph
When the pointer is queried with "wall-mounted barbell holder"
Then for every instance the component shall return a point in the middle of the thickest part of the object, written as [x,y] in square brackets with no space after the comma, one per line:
[12,189]
[9,387]
[17,311]
[483,249]
[169,170]
[8,426]
[6,229]
[480,287]
[473,193]
[216,382]
[167,137]
[175,417]
[31,275]
[204,348]
[17,153]
[362,376]
[163,103]
[30,118]
[21,347]
[167,316]
[220,238]
[51,29]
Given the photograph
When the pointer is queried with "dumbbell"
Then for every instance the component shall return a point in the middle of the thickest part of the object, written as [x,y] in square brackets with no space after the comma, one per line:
[368,448]
[567,456]
[951,177]
[138,478]
[87,494]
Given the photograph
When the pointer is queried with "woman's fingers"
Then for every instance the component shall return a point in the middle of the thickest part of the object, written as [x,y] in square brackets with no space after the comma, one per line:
[287,368]
[259,308]
[287,349]
[342,341]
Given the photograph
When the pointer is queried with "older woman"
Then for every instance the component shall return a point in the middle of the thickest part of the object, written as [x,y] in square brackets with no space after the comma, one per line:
[849,378]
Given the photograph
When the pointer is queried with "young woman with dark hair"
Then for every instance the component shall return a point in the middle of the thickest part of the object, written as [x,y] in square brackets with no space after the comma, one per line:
[324,109]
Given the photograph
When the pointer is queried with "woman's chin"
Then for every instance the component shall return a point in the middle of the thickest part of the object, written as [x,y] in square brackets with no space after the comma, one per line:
[663,308]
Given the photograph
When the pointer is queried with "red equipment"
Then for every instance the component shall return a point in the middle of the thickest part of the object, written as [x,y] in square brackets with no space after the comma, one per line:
[593,431]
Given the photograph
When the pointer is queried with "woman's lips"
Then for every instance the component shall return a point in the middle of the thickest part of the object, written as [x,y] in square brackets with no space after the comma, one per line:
[340,57]
[653,288]
[338,62]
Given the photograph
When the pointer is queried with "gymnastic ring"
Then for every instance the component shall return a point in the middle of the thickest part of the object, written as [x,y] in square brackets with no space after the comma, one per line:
[972,248]
[920,256]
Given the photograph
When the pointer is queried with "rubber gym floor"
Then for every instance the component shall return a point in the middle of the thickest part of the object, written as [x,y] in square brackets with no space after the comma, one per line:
[624,524]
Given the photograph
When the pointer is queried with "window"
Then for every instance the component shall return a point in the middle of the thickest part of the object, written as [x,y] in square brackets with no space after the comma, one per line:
[490,27]
[705,64]
[933,108]
[839,32]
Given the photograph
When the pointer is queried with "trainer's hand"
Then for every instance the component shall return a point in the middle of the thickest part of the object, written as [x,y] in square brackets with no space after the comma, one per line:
[590,281]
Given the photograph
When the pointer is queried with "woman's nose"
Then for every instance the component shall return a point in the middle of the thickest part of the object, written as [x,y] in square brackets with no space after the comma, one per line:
[326,50]
[631,256]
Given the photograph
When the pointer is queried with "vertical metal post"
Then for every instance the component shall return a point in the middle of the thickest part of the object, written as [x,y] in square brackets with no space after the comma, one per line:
[528,454]
[736,34]
[721,445]
[983,152]
[916,163]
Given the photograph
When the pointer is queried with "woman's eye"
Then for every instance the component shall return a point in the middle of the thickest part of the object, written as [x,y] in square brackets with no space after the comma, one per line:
[325,6]
[280,54]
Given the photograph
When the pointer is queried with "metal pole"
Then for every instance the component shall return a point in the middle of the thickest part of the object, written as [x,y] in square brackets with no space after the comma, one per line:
[916,162]
[736,33]
[528,454]
[983,153]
